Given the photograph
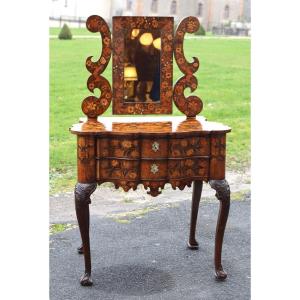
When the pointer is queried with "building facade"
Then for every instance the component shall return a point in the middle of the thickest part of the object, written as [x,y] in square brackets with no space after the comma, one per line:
[73,11]
[210,12]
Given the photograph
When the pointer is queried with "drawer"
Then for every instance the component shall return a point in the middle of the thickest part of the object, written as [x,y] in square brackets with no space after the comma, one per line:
[186,147]
[188,168]
[152,148]
[154,169]
[108,168]
[118,147]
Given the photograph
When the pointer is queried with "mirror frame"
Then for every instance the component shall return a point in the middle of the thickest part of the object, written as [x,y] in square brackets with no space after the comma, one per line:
[166,27]
[94,106]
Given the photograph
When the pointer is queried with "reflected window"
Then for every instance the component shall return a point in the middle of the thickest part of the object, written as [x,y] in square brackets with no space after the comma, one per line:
[173,7]
[154,6]
[200,9]
[226,12]
[129,4]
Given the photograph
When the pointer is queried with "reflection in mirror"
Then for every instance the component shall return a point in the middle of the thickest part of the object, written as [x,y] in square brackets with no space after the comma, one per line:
[142,65]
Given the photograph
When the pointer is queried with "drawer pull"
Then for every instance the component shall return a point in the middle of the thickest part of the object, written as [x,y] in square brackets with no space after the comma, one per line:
[155,146]
[154,168]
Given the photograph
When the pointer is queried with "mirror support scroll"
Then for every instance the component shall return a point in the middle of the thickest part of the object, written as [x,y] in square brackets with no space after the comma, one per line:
[192,105]
[93,106]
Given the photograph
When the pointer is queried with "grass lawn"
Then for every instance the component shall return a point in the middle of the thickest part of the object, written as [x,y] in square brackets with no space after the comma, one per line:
[224,87]
[75,31]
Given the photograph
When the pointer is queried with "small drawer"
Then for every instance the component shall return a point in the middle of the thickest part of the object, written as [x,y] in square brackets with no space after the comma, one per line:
[189,167]
[152,148]
[120,148]
[188,147]
[108,168]
[154,169]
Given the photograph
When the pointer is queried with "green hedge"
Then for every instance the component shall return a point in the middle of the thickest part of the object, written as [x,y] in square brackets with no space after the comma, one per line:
[201,31]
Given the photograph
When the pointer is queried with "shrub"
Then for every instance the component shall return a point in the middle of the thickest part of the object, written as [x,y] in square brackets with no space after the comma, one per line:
[65,33]
[201,31]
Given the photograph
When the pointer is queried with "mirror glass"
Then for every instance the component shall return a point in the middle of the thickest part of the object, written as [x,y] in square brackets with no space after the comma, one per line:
[142,49]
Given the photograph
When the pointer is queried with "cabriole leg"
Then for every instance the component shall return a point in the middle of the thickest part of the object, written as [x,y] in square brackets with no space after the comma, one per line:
[197,190]
[223,195]
[83,192]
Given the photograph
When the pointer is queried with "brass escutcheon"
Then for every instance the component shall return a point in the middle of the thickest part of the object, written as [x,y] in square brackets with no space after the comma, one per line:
[154,168]
[155,146]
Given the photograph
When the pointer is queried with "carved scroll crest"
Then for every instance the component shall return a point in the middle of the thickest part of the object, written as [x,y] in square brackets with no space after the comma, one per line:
[192,105]
[93,106]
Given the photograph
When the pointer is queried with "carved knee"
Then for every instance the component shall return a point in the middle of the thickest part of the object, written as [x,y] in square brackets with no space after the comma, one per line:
[222,189]
[83,191]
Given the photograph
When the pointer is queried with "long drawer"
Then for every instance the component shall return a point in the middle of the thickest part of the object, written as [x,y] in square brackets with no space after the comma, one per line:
[126,147]
[152,169]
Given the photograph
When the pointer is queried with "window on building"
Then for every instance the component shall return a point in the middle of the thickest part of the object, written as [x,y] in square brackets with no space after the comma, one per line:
[173,8]
[119,12]
[226,12]
[129,4]
[200,9]
[154,6]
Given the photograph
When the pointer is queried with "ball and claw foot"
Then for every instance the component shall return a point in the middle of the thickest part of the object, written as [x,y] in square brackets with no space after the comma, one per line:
[220,274]
[80,250]
[86,280]
[193,245]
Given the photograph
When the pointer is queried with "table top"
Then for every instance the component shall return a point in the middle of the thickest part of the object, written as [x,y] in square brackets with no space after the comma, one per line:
[148,125]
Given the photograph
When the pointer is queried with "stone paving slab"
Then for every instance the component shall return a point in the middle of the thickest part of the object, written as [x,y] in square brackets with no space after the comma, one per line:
[147,257]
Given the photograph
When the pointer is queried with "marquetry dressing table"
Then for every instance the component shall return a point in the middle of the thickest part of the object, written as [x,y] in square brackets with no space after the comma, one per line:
[148,150]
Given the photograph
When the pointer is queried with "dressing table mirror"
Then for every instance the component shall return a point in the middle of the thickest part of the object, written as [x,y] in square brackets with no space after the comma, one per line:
[148,150]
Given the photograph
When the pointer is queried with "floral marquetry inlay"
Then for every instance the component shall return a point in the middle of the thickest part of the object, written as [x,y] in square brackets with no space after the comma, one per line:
[85,149]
